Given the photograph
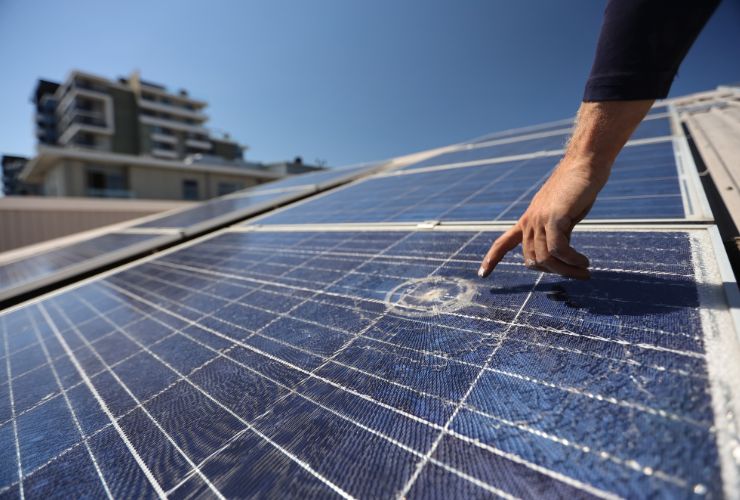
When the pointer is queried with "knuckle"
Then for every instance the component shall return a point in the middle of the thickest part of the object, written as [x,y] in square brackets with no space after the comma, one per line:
[545,261]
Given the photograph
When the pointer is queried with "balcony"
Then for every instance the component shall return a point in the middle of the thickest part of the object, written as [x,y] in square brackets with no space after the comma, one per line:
[166,138]
[172,124]
[164,153]
[173,109]
[198,144]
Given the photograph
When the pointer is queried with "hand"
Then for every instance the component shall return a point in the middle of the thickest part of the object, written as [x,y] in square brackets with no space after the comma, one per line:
[545,228]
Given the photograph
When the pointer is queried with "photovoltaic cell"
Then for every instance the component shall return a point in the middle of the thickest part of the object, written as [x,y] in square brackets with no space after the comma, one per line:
[42,266]
[644,184]
[368,364]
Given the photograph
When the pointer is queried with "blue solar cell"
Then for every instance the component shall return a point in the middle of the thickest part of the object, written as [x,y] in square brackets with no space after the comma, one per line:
[369,364]
[46,265]
[644,184]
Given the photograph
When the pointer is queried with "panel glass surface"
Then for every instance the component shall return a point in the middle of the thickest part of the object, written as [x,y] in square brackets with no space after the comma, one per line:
[366,364]
[314,178]
[214,209]
[552,142]
[45,264]
[546,127]
[657,127]
[643,185]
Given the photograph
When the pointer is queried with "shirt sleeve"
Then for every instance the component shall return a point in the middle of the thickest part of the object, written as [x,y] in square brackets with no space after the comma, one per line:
[641,46]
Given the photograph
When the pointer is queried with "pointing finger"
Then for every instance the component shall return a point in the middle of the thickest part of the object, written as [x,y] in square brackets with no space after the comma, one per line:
[505,243]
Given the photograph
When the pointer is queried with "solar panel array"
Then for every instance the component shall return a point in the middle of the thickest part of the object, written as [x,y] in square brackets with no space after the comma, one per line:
[320,361]
[46,267]
[645,184]
[244,203]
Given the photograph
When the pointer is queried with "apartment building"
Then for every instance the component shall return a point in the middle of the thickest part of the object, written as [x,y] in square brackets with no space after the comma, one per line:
[12,167]
[129,138]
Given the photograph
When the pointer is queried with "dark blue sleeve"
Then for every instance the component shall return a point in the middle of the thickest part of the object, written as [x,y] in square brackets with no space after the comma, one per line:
[641,45]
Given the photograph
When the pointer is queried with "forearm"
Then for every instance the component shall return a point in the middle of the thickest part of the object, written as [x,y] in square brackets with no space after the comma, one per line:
[602,129]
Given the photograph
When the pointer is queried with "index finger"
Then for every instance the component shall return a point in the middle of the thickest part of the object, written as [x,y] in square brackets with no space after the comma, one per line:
[500,247]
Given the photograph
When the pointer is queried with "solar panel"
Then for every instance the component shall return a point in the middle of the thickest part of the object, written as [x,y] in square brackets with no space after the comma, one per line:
[230,208]
[25,274]
[223,210]
[547,138]
[568,123]
[553,141]
[644,184]
[321,179]
[375,364]
[657,127]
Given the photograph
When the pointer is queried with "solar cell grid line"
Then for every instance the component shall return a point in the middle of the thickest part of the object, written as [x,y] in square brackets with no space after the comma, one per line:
[59,357]
[353,337]
[103,405]
[567,480]
[72,412]
[16,442]
[184,377]
[470,194]
[425,460]
[687,353]
[663,413]
[401,445]
[548,139]
[227,350]
[138,402]
[594,326]
[600,397]
[169,492]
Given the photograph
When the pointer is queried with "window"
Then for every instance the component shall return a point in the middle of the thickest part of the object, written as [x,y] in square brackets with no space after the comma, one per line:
[190,189]
[229,187]
[107,182]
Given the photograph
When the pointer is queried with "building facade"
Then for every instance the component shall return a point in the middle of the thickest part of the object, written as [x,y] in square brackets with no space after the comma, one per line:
[129,138]
[12,185]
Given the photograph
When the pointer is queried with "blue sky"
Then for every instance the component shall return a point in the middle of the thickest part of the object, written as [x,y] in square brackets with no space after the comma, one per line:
[341,80]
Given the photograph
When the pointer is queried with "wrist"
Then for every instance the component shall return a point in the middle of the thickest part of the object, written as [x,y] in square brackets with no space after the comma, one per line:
[590,168]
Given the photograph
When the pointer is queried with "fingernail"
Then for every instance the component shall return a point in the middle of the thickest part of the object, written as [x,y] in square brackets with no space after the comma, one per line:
[530,263]
[481,272]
